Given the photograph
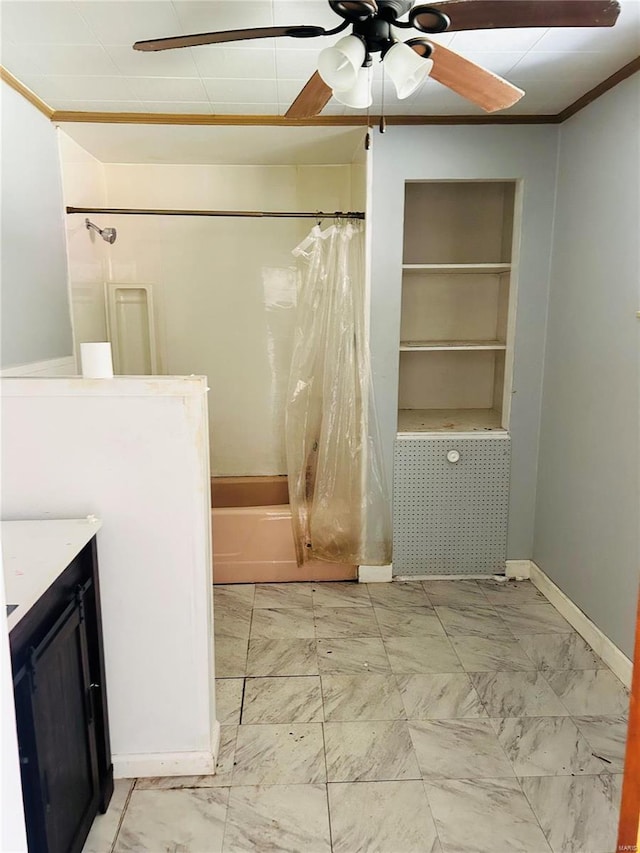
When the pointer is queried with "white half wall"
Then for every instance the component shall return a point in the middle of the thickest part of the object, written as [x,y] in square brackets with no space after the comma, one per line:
[133,452]
[587,535]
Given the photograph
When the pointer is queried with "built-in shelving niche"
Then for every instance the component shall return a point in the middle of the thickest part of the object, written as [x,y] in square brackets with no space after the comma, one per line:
[457,307]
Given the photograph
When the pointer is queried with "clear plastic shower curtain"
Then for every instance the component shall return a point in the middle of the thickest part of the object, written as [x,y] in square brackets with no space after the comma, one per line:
[339,499]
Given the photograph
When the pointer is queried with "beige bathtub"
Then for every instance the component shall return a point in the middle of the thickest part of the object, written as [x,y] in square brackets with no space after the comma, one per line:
[252,538]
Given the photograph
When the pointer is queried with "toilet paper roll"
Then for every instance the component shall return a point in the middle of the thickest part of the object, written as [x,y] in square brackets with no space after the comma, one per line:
[96,360]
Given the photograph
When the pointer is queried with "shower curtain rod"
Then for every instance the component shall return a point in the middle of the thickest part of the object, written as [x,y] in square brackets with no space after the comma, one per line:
[275,214]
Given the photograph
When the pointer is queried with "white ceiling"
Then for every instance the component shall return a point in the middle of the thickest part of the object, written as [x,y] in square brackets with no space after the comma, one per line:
[77,55]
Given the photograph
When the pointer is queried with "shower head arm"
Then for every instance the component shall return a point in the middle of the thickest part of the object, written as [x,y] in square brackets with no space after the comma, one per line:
[107,234]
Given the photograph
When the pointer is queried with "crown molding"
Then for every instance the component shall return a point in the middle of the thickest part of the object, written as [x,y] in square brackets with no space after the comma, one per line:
[64,116]
[26,93]
[624,72]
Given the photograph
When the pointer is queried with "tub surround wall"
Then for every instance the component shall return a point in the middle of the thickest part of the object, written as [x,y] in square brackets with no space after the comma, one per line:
[84,185]
[224,289]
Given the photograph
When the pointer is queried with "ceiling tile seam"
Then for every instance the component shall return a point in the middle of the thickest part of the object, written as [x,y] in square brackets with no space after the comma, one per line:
[119,75]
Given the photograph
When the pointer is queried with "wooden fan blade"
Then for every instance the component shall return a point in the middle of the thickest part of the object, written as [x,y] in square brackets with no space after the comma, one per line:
[313,98]
[501,14]
[228,35]
[473,82]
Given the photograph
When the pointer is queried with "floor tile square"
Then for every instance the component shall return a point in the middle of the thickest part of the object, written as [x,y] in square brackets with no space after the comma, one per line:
[577,814]
[189,820]
[231,657]
[105,826]
[282,623]
[398,594]
[282,595]
[279,754]
[385,817]
[607,737]
[345,622]
[229,700]
[340,594]
[416,655]
[288,699]
[454,593]
[473,620]
[511,592]
[282,657]
[590,692]
[534,619]
[517,694]
[458,749]
[490,654]
[361,697]
[352,656]
[369,751]
[560,651]
[234,595]
[278,818]
[232,622]
[547,746]
[408,622]
[484,816]
[439,696]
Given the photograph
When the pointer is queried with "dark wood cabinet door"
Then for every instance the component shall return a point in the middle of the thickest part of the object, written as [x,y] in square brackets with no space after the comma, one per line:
[63,723]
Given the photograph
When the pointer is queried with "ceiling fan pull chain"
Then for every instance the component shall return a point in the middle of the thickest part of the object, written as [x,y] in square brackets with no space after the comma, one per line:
[383,121]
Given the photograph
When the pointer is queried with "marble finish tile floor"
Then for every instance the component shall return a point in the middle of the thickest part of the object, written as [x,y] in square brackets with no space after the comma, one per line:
[461,716]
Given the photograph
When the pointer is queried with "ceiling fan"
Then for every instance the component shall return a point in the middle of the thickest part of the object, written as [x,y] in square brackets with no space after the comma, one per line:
[343,68]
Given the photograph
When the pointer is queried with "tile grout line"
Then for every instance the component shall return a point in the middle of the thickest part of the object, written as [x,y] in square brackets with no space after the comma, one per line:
[124,811]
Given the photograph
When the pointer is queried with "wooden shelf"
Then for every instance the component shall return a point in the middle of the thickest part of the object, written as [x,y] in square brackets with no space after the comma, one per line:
[449,420]
[459,269]
[438,346]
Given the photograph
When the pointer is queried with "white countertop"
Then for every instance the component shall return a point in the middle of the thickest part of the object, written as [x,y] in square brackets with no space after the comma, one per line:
[35,553]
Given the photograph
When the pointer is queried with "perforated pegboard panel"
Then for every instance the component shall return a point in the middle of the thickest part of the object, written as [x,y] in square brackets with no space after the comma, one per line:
[450,517]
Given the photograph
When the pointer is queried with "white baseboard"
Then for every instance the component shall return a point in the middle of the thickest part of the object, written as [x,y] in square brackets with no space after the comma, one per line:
[518,569]
[149,764]
[52,367]
[375,574]
[618,662]
[407,578]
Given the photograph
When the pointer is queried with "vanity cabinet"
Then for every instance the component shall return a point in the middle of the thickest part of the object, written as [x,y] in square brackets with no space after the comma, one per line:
[60,695]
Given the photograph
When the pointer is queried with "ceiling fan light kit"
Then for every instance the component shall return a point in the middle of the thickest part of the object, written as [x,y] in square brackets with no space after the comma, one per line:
[359,96]
[343,70]
[339,65]
[407,68]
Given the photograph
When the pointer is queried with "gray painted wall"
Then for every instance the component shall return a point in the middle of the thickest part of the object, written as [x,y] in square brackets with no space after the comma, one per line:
[36,322]
[588,506]
[526,153]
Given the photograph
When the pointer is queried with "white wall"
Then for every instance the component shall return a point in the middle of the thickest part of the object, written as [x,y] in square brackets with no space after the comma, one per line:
[36,323]
[587,536]
[526,153]
[224,289]
[134,453]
